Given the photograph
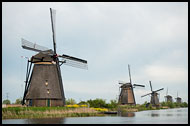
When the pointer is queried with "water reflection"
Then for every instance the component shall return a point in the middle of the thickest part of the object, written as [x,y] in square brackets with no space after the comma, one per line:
[45,121]
[169,114]
[179,114]
[179,110]
[155,115]
[127,114]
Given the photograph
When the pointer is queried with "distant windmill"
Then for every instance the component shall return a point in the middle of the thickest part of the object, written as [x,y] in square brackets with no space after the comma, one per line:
[168,98]
[178,99]
[44,87]
[127,95]
[154,96]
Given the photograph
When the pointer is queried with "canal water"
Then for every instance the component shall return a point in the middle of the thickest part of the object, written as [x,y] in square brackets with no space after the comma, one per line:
[164,116]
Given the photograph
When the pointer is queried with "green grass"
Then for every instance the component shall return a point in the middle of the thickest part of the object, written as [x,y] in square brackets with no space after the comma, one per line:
[54,112]
[46,112]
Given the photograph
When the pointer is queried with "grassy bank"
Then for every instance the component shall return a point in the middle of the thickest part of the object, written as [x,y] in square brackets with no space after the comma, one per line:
[95,107]
[47,112]
[143,107]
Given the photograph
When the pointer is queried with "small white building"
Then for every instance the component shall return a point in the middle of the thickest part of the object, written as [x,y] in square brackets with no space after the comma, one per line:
[3,105]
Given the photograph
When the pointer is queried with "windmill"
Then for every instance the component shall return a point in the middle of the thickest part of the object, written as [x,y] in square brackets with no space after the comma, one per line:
[154,96]
[44,87]
[168,98]
[126,94]
[178,99]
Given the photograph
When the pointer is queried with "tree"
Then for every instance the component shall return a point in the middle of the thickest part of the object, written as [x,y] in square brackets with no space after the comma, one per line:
[113,104]
[70,101]
[6,101]
[82,103]
[184,104]
[18,101]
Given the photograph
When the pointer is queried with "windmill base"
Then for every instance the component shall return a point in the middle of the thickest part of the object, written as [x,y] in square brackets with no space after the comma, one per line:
[44,102]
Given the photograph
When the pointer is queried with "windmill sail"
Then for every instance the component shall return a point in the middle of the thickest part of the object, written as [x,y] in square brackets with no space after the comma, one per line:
[150,85]
[138,85]
[32,46]
[74,62]
[159,90]
[73,58]
[146,94]
[129,74]
[52,13]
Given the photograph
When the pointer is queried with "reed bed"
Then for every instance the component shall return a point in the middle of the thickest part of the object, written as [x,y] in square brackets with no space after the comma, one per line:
[47,112]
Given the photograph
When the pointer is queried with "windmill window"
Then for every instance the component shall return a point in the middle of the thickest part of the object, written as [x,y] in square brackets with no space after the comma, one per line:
[46,83]
[48,91]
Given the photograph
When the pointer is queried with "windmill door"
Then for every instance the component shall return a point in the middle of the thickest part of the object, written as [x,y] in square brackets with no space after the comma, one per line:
[30,102]
[48,102]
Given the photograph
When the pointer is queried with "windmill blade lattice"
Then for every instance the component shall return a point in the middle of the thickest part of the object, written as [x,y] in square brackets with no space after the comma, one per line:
[32,46]
[73,61]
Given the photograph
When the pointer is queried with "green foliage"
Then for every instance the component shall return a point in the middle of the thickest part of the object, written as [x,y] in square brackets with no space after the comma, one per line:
[150,106]
[177,104]
[97,103]
[100,103]
[82,103]
[163,104]
[6,101]
[18,101]
[112,104]
[70,101]
[171,104]
[142,107]
[174,104]
[184,104]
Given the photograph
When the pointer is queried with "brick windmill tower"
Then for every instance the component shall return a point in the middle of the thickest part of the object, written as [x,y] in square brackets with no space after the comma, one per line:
[127,96]
[44,86]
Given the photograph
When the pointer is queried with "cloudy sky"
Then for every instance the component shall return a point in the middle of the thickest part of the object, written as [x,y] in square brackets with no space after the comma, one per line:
[151,37]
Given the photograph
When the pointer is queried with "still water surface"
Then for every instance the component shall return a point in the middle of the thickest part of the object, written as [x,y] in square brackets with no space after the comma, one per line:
[167,116]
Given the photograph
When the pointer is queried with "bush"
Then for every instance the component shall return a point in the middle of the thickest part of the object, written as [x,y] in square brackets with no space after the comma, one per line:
[97,103]
[184,104]
[163,103]
[150,106]
[6,101]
